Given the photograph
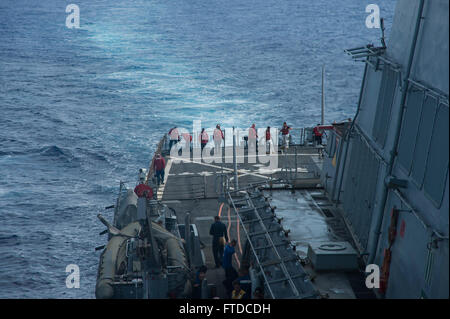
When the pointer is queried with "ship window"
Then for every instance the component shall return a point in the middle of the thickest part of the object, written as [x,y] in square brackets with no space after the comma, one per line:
[384,106]
[423,140]
[409,128]
[437,165]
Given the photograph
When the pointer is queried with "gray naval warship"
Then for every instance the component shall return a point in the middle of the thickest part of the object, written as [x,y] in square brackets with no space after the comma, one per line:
[374,195]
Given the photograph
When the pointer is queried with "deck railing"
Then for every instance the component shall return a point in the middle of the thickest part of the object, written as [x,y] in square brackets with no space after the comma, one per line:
[303,136]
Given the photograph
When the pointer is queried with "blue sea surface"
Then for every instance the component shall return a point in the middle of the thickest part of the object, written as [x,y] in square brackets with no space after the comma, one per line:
[81,109]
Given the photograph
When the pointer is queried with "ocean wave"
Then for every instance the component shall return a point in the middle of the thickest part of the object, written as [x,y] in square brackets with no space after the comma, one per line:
[9,240]
[56,152]
[94,155]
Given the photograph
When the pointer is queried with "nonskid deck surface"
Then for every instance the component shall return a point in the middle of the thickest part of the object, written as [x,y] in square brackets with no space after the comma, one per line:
[312,218]
[194,178]
[195,188]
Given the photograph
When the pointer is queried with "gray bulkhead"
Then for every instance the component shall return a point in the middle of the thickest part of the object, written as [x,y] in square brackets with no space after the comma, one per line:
[401,131]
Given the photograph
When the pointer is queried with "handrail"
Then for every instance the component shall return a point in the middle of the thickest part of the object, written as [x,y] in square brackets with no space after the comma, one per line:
[251,245]
[298,136]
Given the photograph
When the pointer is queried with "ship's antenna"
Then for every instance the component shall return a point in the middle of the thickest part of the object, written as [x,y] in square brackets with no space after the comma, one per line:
[323,96]
[383,42]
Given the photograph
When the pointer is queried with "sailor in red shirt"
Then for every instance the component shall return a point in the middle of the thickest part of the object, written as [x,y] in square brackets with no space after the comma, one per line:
[253,139]
[159,165]
[174,136]
[143,190]
[269,143]
[317,135]
[218,137]
[188,140]
[252,133]
[187,137]
[285,135]
[204,138]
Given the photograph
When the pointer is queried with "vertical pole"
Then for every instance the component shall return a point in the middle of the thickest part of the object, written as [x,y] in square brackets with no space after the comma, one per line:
[296,163]
[323,96]
[204,186]
[187,235]
[236,184]
[222,179]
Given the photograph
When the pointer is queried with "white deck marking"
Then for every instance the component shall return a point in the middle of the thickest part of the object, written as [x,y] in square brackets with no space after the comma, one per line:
[203,173]
[242,171]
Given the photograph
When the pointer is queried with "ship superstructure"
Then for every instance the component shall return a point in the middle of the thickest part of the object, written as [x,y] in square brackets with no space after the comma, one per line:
[388,169]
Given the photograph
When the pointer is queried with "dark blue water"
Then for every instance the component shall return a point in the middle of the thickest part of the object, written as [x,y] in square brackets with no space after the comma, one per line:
[82,109]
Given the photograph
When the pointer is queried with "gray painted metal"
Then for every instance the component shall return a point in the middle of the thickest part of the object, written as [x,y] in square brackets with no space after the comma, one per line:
[145,259]
[401,133]
[333,256]
[277,265]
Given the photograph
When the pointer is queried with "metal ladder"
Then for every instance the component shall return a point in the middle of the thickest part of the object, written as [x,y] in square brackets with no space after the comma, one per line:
[259,251]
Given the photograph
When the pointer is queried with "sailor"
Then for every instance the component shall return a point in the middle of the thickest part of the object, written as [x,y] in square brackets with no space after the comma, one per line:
[204,138]
[245,282]
[228,254]
[317,135]
[142,175]
[237,292]
[174,136]
[197,286]
[219,231]
[285,135]
[253,139]
[158,166]
[269,142]
[188,140]
[230,273]
[218,137]
[143,190]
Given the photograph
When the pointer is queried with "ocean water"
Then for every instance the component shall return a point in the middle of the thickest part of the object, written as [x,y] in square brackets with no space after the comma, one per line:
[81,109]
